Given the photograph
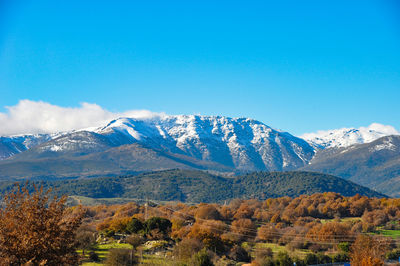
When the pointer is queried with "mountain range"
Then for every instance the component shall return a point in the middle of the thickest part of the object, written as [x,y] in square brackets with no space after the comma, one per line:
[368,156]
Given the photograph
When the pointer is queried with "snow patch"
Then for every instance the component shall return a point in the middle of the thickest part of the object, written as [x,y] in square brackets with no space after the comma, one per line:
[386,145]
[345,137]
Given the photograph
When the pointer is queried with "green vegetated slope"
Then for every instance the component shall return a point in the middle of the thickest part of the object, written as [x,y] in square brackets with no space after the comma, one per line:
[199,186]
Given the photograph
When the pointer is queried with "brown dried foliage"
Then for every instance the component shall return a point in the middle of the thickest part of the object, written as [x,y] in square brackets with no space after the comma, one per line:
[37,230]
[368,251]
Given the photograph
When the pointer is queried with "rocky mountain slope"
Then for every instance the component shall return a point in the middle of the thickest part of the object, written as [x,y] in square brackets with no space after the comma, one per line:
[375,165]
[10,146]
[244,144]
[200,142]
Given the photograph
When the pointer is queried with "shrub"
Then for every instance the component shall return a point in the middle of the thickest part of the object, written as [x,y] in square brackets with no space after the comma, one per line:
[267,261]
[344,246]
[299,262]
[316,247]
[283,259]
[201,258]
[237,253]
[311,258]
[135,240]
[134,226]
[121,257]
[262,253]
[157,223]
[93,256]
[393,255]
[324,259]
[340,257]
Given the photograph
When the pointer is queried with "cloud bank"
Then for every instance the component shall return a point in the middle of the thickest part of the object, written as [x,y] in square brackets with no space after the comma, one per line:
[31,117]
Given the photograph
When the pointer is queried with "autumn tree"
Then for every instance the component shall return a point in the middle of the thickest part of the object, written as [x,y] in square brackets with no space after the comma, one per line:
[268,233]
[37,229]
[330,232]
[135,240]
[244,227]
[86,238]
[208,212]
[368,251]
[209,233]
[187,247]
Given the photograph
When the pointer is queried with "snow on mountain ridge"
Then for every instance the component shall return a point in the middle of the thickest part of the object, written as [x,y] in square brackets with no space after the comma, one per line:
[238,142]
[345,137]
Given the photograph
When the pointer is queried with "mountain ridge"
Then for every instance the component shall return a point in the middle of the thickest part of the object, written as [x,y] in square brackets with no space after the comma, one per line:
[240,143]
[375,164]
[344,137]
[222,144]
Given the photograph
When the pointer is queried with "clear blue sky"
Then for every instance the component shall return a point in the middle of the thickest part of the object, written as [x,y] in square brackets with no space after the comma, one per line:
[295,65]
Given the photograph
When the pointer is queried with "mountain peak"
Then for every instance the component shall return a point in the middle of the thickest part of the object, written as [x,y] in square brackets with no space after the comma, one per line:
[345,137]
[242,143]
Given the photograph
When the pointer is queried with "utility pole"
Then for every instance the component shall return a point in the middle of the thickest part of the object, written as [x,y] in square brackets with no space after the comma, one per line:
[145,209]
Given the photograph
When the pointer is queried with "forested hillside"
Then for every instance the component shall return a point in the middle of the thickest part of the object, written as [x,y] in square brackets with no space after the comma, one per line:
[200,186]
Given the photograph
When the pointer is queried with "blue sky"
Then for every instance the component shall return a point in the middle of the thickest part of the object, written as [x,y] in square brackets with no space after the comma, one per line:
[299,66]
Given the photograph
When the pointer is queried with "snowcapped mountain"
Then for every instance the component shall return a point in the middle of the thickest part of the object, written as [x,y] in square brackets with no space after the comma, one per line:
[375,164]
[242,143]
[345,137]
[10,146]
[236,143]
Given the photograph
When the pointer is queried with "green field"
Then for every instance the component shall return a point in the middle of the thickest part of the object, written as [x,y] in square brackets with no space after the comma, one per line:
[86,201]
[342,220]
[276,248]
[392,233]
[102,251]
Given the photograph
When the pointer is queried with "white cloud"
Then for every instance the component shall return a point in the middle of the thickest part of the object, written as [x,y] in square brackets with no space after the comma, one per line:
[385,129]
[30,117]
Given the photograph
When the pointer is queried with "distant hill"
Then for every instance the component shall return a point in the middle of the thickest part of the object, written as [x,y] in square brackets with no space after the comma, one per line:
[375,165]
[200,186]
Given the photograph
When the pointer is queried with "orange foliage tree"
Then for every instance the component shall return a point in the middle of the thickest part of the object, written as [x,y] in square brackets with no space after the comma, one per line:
[368,251]
[35,229]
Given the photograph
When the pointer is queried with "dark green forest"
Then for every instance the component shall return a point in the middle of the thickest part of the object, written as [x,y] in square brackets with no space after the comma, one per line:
[199,186]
